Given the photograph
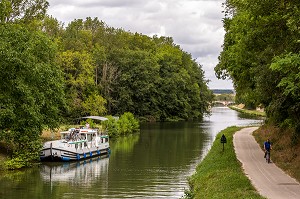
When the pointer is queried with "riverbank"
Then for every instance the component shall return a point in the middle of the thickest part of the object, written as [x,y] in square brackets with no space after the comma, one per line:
[3,155]
[220,174]
[248,112]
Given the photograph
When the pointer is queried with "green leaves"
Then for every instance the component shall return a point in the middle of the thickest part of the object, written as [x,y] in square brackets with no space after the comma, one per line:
[124,125]
[22,10]
[289,68]
[95,105]
[32,92]
[150,77]
[261,55]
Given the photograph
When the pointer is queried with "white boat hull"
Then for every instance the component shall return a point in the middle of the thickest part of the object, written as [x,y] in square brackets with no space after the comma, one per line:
[70,154]
[71,150]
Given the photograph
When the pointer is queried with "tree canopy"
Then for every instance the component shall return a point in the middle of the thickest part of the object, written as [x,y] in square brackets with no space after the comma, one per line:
[151,77]
[261,55]
[51,72]
[32,93]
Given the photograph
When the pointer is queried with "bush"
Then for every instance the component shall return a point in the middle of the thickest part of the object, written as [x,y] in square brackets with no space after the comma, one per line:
[111,126]
[125,125]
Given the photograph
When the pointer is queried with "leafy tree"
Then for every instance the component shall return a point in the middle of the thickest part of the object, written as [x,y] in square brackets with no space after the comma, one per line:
[94,105]
[78,70]
[136,82]
[52,27]
[260,53]
[149,77]
[22,10]
[32,90]
[289,68]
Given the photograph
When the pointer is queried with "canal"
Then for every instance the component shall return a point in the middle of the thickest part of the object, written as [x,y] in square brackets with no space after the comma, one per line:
[152,164]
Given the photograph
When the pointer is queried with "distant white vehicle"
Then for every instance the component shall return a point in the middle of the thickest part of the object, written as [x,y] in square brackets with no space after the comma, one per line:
[76,144]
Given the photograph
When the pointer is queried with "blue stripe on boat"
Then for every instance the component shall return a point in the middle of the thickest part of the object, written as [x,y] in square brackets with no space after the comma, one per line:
[65,158]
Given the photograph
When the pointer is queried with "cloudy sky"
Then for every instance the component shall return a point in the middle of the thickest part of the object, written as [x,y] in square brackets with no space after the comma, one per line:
[195,25]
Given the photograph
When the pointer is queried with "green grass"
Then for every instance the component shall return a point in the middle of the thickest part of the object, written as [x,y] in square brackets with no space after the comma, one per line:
[248,112]
[220,175]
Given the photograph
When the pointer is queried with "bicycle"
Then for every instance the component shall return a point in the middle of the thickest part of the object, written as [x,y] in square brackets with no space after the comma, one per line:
[268,157]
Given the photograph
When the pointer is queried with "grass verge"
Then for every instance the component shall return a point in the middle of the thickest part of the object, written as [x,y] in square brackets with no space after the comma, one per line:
[248,112]
[220,175]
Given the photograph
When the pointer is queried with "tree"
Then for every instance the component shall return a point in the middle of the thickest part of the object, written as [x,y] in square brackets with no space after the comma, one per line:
[260,54]
[150,77]
[78,68]
[94,105]
[289,68]
[32,90]
[22,10]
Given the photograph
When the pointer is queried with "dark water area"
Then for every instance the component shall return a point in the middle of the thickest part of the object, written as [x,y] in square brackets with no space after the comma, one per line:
[152,164]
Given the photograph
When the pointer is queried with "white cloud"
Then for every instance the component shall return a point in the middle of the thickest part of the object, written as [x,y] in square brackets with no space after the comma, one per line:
[195,25]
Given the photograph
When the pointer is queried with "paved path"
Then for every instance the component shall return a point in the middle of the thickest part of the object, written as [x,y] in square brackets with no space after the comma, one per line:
[268,179]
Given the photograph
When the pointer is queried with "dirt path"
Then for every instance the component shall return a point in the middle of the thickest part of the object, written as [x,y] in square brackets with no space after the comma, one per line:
[268,179]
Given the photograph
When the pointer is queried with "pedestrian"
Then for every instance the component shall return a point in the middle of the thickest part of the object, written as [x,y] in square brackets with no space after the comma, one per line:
[87,125]
[267,147]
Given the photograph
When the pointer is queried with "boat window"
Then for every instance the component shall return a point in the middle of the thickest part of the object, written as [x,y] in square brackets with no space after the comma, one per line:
[89,137]
[65,136]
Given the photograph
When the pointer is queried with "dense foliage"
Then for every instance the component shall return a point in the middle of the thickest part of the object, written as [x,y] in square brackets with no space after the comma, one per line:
[261,55]
[51,72]
[31,88]
[150,77]
[124,125]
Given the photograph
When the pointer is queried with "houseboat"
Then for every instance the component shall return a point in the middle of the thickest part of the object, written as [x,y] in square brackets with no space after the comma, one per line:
[76,144]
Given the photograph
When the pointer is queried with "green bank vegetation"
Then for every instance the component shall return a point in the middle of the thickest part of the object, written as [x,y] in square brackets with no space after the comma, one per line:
[261,55]
[249,112]
[52,73]
[219,175]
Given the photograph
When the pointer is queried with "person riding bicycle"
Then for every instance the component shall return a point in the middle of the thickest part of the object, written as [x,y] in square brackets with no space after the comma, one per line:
[267,147]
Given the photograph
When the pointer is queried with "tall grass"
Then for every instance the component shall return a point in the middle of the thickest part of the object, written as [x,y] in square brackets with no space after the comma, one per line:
[220,175]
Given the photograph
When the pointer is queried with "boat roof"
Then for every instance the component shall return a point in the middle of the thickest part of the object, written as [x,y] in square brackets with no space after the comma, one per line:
[95,118]
[85,130]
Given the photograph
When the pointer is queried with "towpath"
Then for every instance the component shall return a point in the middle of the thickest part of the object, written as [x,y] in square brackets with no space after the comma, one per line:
[268,179]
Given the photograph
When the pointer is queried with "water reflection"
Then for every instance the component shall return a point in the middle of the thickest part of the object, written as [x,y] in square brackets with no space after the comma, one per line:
[127,143]
[159,164]
[82,172]
[152,164]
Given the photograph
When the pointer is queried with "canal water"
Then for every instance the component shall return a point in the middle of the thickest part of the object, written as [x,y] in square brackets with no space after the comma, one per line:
[152,164]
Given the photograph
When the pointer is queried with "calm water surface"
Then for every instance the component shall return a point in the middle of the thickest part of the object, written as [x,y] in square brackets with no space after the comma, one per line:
[152,164]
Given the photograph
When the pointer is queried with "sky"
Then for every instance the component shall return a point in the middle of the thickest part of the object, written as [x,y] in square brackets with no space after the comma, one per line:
[195,25]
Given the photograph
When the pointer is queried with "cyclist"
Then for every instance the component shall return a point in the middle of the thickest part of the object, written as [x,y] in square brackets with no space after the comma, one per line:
[267,147]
